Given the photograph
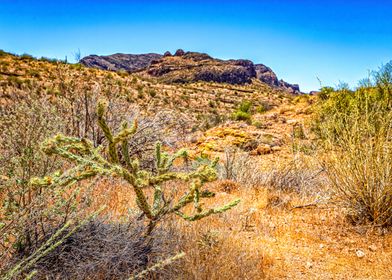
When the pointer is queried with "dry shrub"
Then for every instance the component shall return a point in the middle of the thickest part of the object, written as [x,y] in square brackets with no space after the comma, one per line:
[106,250]
[26,212]
[360,169]
[296,175]
[214,254]
[227,186]
[356,129]
[299,175]
[278,200]
[242,168]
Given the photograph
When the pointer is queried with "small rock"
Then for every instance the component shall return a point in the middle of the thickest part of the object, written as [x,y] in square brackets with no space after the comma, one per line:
[276,148]
[292,122]
[322,246]
[309,265]
[360,254]
[372,248]
[263,149]
[252,210]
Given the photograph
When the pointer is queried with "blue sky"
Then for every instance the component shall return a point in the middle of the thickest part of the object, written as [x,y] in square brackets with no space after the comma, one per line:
[300,40]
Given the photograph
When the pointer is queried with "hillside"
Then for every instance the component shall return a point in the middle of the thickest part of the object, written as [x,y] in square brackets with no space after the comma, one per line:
[287,225]
[185,67]
[201,101]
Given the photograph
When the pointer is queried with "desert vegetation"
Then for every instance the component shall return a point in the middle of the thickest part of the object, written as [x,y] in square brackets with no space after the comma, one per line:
[112,175]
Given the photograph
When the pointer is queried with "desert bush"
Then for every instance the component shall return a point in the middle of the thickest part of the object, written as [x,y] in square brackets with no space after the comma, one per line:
[24,212]
[100,249]
[243,112]
[240,167]
[241,116]
[355,128]
[245,106]
[3,53]
[296,175]
[263,107]
[216,254]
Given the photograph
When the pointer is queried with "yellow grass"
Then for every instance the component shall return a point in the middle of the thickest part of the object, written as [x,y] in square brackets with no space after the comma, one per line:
[258,241]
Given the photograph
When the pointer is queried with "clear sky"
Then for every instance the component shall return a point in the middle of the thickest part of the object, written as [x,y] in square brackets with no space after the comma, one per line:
[300,40]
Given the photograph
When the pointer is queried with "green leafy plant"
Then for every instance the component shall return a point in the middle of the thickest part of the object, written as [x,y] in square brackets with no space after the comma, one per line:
[243,112]
[113,160]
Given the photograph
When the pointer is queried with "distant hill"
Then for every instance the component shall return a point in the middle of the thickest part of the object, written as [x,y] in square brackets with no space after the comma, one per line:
[185,67]
[119,61]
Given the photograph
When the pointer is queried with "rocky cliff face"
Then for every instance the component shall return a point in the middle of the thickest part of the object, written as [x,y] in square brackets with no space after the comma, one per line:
[183,67]
[266,75]
[119,61]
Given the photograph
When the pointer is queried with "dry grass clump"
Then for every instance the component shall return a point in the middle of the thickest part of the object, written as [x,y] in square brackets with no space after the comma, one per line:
[220,255]
[227,186]
[240,167]
[299,175]
[105,250]
[296,175]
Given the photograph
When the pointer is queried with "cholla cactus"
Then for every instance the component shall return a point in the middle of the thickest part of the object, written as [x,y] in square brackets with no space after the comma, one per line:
[113,160]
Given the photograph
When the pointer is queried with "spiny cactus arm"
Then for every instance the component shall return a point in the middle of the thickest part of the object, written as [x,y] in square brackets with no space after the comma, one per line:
[76,145]
[204,173]
[125,133]
[158,156]
[112,151]
[80,151]
[208,212]
[167,177]
[188,198]
[158,266]
[141,199]
[164,161]
[125,149]
[180,154]
[101,109]
[196,198]
[76,174]
[214,162]
[158,199]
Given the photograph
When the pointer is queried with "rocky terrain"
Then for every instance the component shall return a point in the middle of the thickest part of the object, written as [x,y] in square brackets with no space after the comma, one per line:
[185,67]
[287,225]
[119,61]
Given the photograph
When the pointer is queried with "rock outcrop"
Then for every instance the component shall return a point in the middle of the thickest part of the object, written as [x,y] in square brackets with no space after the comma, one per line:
[119,61]
[184,67]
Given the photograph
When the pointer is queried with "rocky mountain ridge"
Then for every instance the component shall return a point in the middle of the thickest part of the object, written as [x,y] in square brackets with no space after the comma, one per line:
[183,67]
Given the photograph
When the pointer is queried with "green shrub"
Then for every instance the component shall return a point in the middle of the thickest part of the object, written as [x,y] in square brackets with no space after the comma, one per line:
[241,116]
[263,107]
[245,106]
[243,112]
[152,92]
[355,128]
[26,56]
[258,124]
